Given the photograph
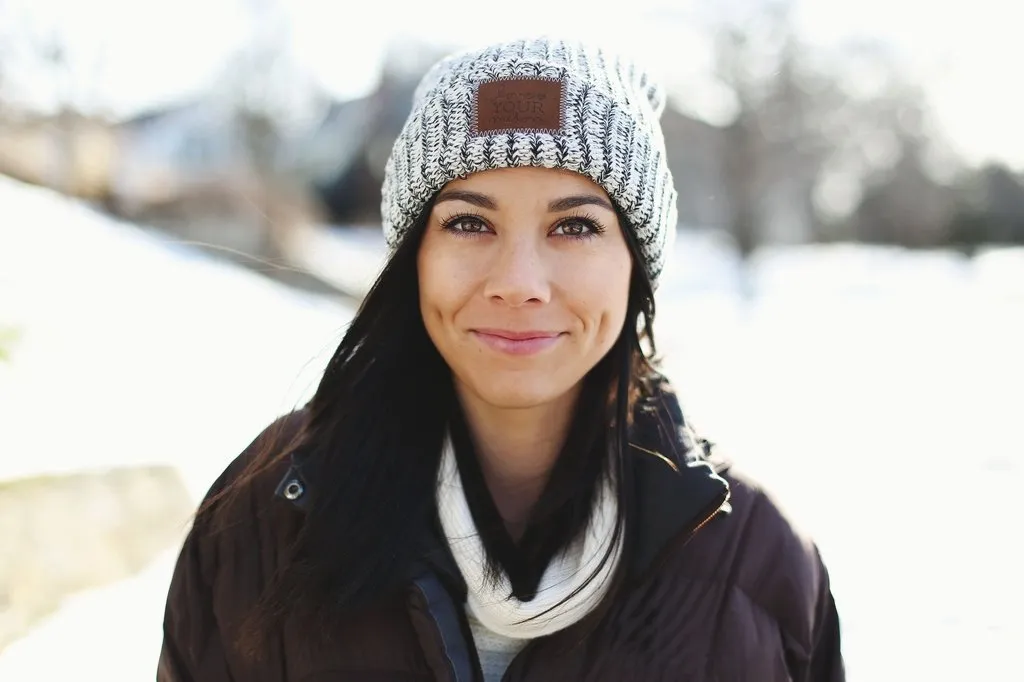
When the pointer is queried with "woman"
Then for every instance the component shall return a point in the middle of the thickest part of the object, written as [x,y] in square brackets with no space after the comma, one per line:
[492,481]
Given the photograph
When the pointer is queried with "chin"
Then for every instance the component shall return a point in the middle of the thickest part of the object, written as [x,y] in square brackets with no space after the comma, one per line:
[518,392]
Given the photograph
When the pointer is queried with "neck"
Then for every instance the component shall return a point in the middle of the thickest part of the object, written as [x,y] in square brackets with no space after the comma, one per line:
[517,449]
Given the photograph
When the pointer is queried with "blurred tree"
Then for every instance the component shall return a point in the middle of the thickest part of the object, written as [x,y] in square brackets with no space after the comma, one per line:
[41,78]
[1003,200]
[776,144]
[904,169]
[990,207]
[819,134]
[906,172]
[353,194]
[270,95]
[905,205]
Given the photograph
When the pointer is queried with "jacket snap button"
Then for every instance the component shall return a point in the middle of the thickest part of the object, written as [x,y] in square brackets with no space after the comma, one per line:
[293,490]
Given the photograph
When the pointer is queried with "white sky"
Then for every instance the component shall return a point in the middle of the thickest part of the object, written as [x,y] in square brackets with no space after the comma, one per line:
[155,51]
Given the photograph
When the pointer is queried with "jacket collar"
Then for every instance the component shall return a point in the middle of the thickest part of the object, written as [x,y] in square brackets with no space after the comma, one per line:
[678,486]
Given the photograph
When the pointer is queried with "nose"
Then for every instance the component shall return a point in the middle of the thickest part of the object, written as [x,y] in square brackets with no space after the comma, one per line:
[518,275]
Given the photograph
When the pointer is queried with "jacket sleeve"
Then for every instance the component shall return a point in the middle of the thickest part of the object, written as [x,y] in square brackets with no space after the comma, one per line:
[826,662]
[216,575]
[192,649]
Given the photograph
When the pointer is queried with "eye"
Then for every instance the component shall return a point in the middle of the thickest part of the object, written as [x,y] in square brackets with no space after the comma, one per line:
[465,225]
[577,228]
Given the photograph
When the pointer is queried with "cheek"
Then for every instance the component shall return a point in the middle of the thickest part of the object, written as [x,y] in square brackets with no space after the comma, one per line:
[432,293]
[601,294]
[444,286]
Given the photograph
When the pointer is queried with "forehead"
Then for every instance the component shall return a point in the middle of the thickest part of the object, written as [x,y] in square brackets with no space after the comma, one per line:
[541,183]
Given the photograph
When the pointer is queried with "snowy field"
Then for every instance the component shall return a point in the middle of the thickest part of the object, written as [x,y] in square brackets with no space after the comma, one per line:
[874,391]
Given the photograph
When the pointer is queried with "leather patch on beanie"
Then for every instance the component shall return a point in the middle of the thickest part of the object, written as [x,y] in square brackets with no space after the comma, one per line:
[521,104]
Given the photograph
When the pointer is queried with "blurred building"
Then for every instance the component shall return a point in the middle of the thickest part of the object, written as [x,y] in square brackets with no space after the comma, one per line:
[69,152]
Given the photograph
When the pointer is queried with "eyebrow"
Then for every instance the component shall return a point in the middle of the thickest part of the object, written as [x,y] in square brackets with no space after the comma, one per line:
[566,203]
[475,198]
[563,204]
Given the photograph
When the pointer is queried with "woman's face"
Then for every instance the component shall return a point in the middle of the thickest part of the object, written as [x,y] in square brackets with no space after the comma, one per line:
[524,279]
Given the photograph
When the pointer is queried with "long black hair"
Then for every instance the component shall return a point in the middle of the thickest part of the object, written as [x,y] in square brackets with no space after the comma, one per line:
[373,435]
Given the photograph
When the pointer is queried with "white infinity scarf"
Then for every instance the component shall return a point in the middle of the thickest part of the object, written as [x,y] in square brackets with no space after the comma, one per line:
[492,604]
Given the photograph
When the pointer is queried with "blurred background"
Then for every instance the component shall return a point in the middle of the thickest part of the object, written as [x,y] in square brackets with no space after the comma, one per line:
[189,214]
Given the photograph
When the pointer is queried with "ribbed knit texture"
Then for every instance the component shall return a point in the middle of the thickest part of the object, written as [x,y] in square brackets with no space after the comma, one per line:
[573,584]
[609,132]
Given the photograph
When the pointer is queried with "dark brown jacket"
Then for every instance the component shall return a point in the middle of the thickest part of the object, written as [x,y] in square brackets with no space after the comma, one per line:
[721,588]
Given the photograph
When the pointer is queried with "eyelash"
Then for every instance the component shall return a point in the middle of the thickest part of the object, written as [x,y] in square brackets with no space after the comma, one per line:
[593,225]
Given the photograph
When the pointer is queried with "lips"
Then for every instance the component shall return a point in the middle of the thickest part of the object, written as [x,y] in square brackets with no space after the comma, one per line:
[517,342]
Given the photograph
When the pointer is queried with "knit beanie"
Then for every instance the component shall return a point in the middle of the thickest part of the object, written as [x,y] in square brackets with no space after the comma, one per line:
[539,102]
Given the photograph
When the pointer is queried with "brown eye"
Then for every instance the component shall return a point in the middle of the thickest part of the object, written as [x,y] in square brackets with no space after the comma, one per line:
[466,225]
[575,228]
[470,225]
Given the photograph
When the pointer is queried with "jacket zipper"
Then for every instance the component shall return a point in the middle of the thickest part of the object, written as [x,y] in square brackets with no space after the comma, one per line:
[720,502]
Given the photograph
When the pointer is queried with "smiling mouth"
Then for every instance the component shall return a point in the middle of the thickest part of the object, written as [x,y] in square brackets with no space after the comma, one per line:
[517,343]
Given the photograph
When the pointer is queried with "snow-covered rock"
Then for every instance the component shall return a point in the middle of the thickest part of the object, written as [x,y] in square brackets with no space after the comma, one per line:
[64,534]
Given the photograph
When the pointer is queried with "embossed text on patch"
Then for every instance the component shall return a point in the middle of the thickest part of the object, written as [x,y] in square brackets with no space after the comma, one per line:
[528,104]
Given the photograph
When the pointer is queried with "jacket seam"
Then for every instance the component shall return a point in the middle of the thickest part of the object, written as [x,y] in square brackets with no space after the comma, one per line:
[444,643]
[730,581]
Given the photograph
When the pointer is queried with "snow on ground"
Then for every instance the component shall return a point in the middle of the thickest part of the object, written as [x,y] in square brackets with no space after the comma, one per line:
[137,350]
[873,390]
[133,351]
